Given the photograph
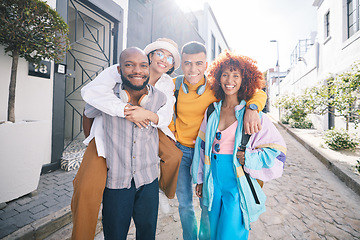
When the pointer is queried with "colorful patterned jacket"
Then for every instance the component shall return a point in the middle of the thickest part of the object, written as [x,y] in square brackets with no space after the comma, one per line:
[264,160]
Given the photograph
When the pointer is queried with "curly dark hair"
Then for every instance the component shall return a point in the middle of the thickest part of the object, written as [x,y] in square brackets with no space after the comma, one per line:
[252,78]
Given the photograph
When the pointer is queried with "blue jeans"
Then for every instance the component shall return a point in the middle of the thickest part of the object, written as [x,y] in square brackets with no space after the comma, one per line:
[184,193]
[119,205]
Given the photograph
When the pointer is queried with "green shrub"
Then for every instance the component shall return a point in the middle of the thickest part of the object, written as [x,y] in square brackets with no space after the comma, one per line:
[293,111]
[303,124]
[340,139]
[284,120]
[357,167]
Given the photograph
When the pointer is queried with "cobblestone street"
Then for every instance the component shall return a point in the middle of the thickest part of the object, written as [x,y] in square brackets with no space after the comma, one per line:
[307,202]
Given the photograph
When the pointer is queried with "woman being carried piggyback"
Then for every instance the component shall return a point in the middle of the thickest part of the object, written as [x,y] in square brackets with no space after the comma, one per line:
[225,176]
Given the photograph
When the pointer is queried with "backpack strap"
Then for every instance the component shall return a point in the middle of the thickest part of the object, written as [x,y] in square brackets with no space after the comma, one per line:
[178,81]
[244,140]
[210,110]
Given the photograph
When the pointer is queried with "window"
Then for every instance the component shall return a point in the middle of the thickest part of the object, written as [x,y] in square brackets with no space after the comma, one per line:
[352,16]
[327,25]
[212,47]
[219,48]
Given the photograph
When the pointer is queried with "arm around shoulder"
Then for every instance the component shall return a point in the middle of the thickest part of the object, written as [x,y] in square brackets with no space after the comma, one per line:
[259,98]
[99,92]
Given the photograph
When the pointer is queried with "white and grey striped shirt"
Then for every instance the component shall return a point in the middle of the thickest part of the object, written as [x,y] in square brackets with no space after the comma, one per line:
[131,152]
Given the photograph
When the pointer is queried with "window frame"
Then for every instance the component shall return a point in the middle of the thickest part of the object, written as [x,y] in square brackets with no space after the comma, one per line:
[327,24]
[213,44]
[352,18]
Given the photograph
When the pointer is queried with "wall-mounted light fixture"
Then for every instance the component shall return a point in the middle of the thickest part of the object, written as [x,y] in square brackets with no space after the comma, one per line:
[301,59]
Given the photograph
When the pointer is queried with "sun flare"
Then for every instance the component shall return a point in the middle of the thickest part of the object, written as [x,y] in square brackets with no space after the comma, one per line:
[193,5]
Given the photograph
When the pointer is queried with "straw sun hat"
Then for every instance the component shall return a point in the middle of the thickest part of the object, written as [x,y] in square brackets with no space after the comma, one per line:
[167,44]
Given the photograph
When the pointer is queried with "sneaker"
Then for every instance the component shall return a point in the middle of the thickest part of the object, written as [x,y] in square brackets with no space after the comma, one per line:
[163,203]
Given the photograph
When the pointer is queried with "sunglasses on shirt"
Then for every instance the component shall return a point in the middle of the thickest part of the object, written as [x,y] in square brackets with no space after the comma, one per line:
[217,145]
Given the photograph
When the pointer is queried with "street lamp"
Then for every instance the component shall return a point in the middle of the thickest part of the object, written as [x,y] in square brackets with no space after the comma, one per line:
[278,70]
[277,65]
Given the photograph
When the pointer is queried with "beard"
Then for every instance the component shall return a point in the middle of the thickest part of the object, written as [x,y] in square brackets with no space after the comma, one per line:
[127,83]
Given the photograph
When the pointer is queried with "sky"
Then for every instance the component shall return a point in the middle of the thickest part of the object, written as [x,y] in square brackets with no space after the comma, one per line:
[249,25]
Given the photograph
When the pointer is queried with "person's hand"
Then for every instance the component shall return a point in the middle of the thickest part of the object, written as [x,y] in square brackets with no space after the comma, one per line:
[252,123]
[198,190]
[137,115]
[240,155]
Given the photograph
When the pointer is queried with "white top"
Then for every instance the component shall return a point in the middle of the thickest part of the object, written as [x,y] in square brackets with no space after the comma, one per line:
[99,94]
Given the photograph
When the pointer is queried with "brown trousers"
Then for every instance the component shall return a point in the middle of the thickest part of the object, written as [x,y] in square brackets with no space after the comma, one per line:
[90,181]
[89,184]
[170,157]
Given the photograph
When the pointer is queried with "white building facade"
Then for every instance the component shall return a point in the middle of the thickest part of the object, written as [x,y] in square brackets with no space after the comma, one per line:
[50,107]
[335,49]
[210,31]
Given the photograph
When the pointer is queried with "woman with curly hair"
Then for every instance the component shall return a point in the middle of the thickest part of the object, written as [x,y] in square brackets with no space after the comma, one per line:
[225,176]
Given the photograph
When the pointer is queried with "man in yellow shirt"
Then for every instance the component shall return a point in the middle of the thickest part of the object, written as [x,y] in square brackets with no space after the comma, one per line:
[194,96]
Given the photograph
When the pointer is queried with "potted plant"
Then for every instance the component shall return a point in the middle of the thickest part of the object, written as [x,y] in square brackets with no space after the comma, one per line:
[34,31]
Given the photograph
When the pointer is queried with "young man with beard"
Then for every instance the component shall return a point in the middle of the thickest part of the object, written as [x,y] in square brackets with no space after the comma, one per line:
[131,154]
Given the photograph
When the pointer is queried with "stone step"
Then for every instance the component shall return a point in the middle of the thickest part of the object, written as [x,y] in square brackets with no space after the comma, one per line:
[52,227]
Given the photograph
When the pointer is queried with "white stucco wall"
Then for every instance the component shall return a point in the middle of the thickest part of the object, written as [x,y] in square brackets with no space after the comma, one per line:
[207,27]
[336,52]
[33,99]
[329,55]
[124,4]
[34,95]
[302,75]
[51,3]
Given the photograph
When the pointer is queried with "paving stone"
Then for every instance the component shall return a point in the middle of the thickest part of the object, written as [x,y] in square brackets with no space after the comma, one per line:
[7,229]
[63,199]
[37,209]
[334,231]
[24,201]
[40,201]
[69,185]
[8,214]
[50,203]
[350,230]
[25,207]
[60,192]
[64,203]
[23,219]
[353,223]
[40,214]
[311,235]
[69,194]
[51,196]
[323,216]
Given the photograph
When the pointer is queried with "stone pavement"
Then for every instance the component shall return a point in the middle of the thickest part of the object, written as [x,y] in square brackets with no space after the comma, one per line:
[307,202]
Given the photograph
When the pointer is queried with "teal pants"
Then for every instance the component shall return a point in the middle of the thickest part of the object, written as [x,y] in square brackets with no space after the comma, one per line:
[226,218]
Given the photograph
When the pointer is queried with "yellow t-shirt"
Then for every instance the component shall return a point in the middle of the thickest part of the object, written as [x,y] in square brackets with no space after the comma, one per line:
[191,108]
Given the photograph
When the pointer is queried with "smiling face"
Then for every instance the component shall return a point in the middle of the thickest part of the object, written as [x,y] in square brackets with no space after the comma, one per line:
[230,81]
[134,68]
[194,66]
[161,61]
